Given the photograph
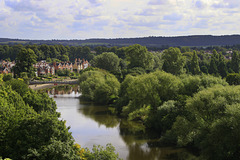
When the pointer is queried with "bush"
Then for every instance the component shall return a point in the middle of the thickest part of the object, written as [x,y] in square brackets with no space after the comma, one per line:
[99,152]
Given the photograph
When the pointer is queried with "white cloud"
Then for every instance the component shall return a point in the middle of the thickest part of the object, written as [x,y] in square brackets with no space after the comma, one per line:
[158,2]
[173,17]
[61,19]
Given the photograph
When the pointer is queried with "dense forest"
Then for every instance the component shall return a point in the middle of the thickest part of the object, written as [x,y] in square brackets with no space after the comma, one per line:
[159,42]
[189,96]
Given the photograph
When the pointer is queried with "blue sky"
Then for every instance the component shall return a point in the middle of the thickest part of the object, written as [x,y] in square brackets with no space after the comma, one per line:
[83,19]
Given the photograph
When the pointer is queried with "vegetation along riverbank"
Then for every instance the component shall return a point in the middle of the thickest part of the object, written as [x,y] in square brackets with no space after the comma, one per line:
[189,96]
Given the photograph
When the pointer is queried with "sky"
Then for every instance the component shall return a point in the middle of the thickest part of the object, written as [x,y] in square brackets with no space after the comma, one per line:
[84,19]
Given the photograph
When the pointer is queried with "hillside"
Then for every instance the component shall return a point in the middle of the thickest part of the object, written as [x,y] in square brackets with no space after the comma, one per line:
[195,40]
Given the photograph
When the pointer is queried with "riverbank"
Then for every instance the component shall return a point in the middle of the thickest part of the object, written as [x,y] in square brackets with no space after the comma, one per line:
[40,86]
[49,85]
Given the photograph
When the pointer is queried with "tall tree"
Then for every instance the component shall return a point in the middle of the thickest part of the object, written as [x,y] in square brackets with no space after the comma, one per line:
[24,62]
[195,69]
[173,61]
[213,67]
[138,56]
[222,66]
[108,61]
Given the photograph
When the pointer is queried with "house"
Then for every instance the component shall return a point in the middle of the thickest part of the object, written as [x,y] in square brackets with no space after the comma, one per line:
[6,67]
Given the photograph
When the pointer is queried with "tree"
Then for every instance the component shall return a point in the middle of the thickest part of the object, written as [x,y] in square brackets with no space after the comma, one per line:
[150,90]
[99,86]
[45,50]
[108,61]
[222,67]
[173,61]
[195,69]
[213,67]
[24,62]
[30,128]
[235,64]
[212,123]
[138,56]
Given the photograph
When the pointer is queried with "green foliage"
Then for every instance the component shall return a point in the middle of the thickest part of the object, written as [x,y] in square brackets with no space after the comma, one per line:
[24,62]
[195,69]
[157,60]
[193,84]
[173,61]
[99,86]
[7,77]
[99,152]
[233,78]
[222,66]
[40,102]
[136,71]
[138,56]
[235,63]
[211,124]
[56,150]
[64,72]
[123,99]
[151,90]
[30,127]
[108,61]
[1,78]
[18,86]
[140,114]
[213,66]
[223,140]
[163,118]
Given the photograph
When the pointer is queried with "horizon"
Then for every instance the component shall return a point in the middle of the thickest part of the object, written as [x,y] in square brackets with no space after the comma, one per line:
[111,19]
[118,38]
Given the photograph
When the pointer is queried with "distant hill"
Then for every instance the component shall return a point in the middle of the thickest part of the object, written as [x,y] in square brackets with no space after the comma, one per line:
[195,40]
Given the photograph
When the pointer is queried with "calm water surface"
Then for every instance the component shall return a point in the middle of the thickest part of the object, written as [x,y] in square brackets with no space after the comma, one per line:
[95,125]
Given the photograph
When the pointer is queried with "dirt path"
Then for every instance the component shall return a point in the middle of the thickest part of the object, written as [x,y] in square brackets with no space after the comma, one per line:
[40,86]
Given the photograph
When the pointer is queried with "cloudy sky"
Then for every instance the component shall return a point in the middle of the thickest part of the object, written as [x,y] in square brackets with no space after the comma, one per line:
[83,19]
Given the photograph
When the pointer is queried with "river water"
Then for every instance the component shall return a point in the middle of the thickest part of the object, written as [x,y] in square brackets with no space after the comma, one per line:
[95,125]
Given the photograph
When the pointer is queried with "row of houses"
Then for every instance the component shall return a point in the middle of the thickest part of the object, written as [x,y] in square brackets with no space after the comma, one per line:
[44,68]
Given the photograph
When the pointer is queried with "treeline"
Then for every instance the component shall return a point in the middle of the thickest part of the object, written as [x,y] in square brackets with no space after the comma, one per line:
[195,40]
[218,61]
[181,94]
[47,52]
[57,52]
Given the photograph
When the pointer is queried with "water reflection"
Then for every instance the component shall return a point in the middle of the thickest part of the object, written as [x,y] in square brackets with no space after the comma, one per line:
[100,114]
[94,124]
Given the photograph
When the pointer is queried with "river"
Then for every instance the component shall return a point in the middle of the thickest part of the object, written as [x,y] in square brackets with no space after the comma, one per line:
[95,125]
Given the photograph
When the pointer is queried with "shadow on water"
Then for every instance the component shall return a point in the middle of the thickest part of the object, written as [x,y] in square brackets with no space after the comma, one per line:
[100,114]
[137,142]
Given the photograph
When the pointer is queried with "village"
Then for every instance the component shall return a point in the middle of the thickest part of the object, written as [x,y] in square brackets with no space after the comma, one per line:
[44,68]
